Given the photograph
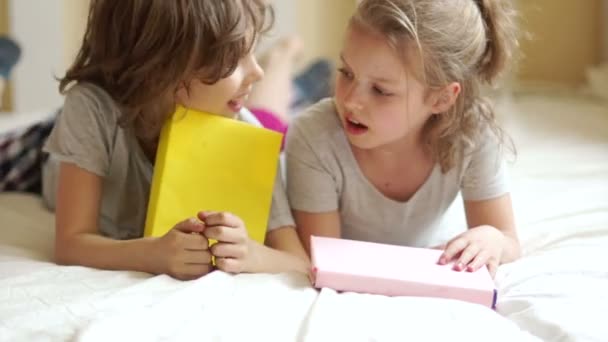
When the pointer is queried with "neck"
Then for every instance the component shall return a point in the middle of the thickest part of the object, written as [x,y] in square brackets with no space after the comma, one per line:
[409,147]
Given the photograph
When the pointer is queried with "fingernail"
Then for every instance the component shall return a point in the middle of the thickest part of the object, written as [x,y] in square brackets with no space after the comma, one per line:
[459,266]
[442,260]
[470,268]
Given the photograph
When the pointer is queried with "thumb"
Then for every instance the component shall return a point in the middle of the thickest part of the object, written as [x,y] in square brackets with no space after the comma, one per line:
[190,225]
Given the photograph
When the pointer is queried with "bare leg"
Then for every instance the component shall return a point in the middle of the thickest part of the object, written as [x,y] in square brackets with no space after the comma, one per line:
[273,92]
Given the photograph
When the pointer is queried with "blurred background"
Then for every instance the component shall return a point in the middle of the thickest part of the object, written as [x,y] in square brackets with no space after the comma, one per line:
[565,39]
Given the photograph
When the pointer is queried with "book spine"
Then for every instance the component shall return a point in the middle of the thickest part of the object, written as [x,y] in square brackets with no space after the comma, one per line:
[157,175]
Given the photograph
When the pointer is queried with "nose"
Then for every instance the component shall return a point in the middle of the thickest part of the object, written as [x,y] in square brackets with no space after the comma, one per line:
[353,101]
[254,70]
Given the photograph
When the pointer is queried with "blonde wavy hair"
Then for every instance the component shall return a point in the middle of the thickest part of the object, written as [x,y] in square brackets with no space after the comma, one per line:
[466,41]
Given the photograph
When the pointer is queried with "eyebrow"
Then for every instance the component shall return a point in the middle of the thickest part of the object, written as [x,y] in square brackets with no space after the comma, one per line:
[374,78]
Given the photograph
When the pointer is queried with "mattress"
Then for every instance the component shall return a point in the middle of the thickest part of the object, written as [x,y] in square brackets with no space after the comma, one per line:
[555,292]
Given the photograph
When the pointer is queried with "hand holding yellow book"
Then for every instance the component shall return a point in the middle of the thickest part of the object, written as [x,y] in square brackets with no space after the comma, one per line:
[208,162]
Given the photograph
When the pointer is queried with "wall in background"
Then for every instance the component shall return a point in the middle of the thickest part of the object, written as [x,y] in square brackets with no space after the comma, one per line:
[604,21]
[7,97]
[75,13]
[565,35]
[322,24]
[50,33]
[37,26]
[565,39]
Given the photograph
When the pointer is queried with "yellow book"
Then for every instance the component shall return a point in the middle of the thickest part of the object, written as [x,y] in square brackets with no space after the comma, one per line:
[208,162]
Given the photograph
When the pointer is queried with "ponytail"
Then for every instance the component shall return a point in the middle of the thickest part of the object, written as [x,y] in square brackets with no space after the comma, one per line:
[499,21]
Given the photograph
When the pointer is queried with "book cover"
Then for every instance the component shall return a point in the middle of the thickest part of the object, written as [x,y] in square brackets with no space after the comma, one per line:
[374,268]
[209,162]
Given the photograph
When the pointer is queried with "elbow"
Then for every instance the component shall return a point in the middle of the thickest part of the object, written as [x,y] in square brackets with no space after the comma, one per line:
[62,254]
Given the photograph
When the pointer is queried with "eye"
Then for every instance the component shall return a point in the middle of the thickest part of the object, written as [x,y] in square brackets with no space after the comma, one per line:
[379,91]
[346,74]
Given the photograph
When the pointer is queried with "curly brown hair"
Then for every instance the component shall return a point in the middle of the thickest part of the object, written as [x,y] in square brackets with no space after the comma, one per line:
[139,51]
[466,41]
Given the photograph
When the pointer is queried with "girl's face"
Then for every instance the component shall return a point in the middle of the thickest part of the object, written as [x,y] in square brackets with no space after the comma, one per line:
[225,97]
[379,102]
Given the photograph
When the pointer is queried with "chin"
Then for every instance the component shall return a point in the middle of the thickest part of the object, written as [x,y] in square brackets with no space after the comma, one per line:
[361,143]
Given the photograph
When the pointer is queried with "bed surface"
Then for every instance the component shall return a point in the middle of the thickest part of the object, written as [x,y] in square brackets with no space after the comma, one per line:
[555,292]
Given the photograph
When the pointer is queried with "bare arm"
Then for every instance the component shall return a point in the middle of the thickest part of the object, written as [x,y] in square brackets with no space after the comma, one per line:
[77,241]
[282,252]
[318,224]
[498,213]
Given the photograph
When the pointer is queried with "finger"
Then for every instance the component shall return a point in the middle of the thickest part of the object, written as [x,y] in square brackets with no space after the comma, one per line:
[466,256]
[479,260]
[222,219]
[202,215]
[226,234]
[229,250]
[191,225]
[197,257]
[196,242]
[229,265]
[453,248]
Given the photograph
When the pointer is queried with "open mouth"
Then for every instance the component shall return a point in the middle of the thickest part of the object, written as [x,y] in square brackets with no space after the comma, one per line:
[238,102]
[235,105]
[355,127]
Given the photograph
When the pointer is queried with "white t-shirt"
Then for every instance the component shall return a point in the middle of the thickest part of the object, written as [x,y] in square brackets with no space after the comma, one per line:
[323,175]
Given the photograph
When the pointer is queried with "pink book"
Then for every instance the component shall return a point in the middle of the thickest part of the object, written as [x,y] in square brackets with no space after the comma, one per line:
[366,267]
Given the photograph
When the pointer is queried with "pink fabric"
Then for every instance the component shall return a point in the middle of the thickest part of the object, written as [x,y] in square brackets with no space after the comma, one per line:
[271,121]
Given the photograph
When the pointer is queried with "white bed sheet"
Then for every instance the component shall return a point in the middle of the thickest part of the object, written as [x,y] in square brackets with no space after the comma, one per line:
[556,292]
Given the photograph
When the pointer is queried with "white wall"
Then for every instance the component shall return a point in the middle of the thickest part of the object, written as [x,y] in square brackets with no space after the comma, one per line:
[285,22]
[285,17]
[50,33]
[37,26]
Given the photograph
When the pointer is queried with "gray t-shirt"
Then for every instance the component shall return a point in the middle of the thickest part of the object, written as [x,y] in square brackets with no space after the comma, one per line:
[323,176]
[87,134]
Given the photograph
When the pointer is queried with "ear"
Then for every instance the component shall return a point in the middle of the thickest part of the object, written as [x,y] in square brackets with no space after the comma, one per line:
[181,94]
[445,98]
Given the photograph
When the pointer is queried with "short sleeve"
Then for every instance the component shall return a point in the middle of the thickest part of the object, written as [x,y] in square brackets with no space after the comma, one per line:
[485,176]
[311,186]
[83,132]
[280,213]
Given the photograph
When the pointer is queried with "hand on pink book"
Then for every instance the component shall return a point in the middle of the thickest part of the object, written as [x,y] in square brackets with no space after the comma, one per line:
[475,248]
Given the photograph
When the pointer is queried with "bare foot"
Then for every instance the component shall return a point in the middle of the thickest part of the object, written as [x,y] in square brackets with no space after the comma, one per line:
[274,91]
[288,48]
